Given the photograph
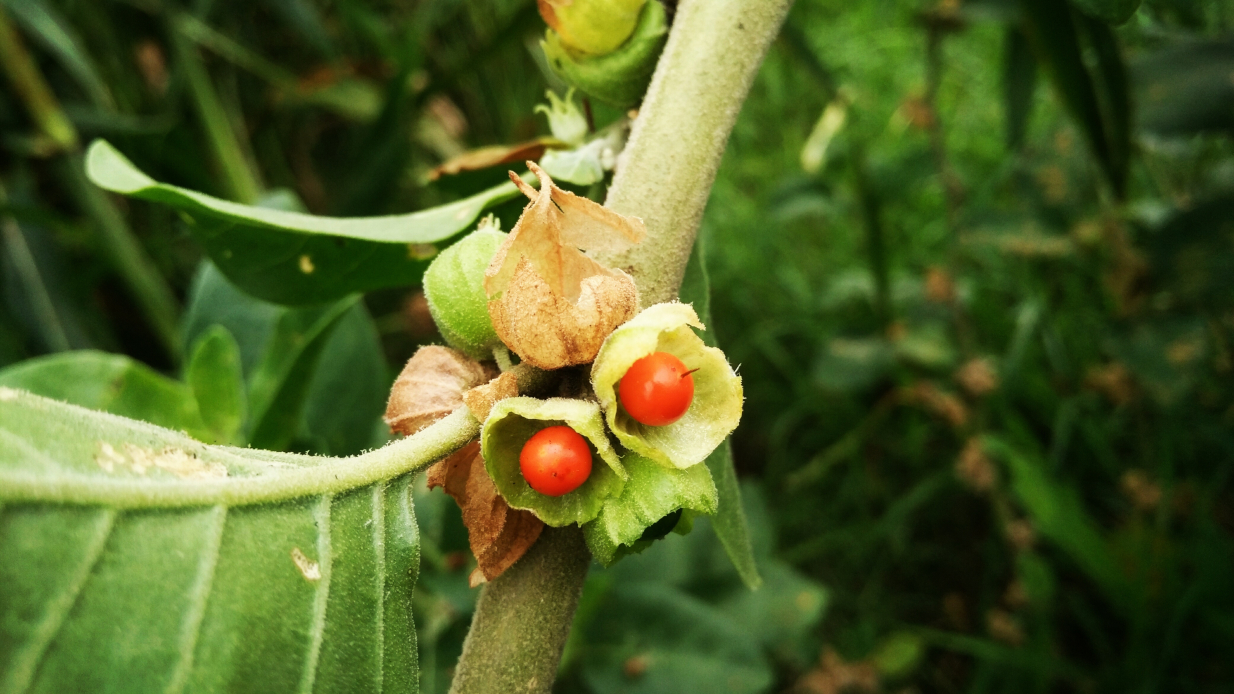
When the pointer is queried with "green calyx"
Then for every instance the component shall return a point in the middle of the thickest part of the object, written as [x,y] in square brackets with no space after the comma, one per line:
[652,493]
[454,287]
[620,77]
[715,410]
[592,27]
[513,421]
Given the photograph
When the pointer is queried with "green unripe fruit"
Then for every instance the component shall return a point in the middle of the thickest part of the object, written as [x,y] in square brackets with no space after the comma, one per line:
[620,77]
[592,27]
[454,287]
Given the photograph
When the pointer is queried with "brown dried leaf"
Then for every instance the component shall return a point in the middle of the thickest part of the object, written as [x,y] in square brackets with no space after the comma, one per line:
[550,303]
[498,534]
[482,398]
[430,387]
[495,155]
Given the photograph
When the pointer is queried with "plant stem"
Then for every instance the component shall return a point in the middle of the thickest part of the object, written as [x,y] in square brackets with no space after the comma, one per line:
[664,177]
[665,174]
[523,618]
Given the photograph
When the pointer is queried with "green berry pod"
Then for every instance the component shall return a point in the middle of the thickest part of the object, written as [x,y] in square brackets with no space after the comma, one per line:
[652,494]
[619,78]
[513,421]
[715,409]
[454,287]
[592,27]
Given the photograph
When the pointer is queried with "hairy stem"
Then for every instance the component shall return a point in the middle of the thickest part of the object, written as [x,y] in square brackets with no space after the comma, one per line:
[664,177]
[665,174]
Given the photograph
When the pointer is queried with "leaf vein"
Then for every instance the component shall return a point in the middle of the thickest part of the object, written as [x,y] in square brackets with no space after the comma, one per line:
[198,598]
[321,514]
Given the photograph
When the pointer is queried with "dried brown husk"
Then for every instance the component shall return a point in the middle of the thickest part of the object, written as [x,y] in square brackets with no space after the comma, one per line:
[498,534]
[430,387]
[551,303]
[482,398]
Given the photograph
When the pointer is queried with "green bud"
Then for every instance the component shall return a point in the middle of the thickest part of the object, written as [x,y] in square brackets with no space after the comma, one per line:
[592,27]
[715,410]
[565,120]
[652,493]
[454,287]
[513,421]
[620,77]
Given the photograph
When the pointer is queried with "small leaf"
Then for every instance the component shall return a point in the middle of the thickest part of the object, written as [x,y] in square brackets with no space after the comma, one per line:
[430,387]
[498,534]
[652,492]
[111,383]
[215,375]
[137,559]
[494,155]
[515,420]
[730,520]
[294,258]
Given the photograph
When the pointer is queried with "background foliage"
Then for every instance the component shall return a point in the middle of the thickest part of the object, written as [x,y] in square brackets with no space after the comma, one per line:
[973,259]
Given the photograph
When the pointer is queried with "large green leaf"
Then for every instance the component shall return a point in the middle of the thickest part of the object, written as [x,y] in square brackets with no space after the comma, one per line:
[111,383]
[294,258]
[137,559]
[730,520]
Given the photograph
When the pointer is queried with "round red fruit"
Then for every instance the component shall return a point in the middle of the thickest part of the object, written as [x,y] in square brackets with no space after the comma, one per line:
[657,389]
[555,461]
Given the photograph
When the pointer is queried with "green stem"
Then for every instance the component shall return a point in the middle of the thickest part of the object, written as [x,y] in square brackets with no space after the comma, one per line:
[523,618]
[670,162]
[30,86]
[242,181]
[710,60]
[146,285]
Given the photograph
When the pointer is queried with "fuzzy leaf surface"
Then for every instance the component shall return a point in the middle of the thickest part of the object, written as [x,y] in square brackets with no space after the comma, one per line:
[137,559]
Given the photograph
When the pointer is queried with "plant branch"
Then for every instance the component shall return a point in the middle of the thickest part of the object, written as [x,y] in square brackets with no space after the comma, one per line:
[664,177]
[665,174]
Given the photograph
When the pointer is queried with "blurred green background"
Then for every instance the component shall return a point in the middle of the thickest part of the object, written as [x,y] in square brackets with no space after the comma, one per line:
[975,261]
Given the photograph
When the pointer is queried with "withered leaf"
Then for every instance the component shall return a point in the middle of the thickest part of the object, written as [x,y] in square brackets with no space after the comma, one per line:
[482,398]
[551,303]
[498,534]
[430,387]
[495,155]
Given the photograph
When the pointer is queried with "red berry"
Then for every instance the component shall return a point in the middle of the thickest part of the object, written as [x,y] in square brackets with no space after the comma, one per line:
[555,461]
[657,389]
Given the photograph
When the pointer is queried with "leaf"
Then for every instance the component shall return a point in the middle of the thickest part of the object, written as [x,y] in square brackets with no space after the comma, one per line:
[1058,514]
[46,26]
[110,383]
[494,155]
[267,573]
[1186,88]
[498,534]
[348,390]
[294,258]
[1098,102]
[730,519]
[782,612]
[1112,11]
[1019,84]
[280,351]
[215,376]
[649,637]
[652,493]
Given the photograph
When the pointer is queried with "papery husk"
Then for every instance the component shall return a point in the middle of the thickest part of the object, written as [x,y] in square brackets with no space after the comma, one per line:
[430,387]
[499,535]
[480,400]
[712,415]
[550,303]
